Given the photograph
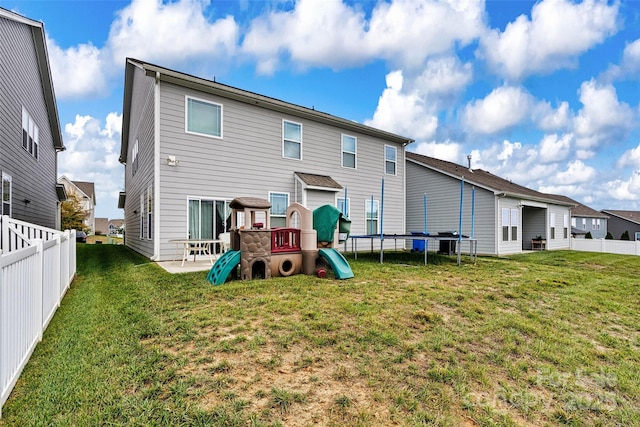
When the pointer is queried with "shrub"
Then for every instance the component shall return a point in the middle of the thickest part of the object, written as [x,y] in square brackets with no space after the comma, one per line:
[609,236]
[588,235]
[625,235]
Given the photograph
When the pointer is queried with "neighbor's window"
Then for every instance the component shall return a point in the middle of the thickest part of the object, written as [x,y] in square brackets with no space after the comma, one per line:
[6,194]
[573,222]
[141,213]
[584,223]
[149,212]
[291,140]
[390,160]
[506,222]
[515,213]
[30,134]
[279,204]
[349,151]
[565,225]
[598,224]
[343,206]
[371,215]
[203,117]
[552,225]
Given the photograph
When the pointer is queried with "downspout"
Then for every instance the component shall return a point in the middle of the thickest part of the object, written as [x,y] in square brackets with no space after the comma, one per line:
[156,168]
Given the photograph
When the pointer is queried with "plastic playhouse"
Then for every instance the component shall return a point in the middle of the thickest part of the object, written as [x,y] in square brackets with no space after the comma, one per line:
[264,252]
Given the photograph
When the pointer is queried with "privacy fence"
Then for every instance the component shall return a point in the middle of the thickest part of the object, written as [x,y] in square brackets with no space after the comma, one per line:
[622,247]
[37,266]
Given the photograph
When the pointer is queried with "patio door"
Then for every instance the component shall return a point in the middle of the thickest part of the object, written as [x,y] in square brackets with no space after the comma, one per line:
[208,218]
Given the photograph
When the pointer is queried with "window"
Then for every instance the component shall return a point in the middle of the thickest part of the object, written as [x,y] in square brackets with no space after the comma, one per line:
[565,225]
[208,218]
[552,225]
[349,151]
[291,140]
[510,222]
[371,215]
[30,134]
[141,213]
[279,205]
[584,223]
[598,224]
[134,158]
[573,222]
[389,160]
[343,206]
[149,212]
[203,117]
[6,194]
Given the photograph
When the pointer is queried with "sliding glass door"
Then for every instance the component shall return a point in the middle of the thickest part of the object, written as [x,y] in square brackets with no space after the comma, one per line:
[208,218]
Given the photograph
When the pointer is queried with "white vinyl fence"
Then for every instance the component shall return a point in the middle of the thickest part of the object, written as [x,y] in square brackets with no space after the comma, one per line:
[622,247]
[37,266]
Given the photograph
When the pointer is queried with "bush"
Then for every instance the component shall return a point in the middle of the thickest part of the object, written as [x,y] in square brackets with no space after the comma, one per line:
[625,235]
[609,236]
[588,235]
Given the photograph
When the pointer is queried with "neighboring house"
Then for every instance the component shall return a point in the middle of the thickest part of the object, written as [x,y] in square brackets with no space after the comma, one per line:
[506,216]
[30,136]
[85,191]
[102,226]
[621,221]
[116,226]
[192,145]
[586,220]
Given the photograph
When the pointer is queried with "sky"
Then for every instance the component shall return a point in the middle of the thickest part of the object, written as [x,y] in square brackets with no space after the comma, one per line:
[545,94]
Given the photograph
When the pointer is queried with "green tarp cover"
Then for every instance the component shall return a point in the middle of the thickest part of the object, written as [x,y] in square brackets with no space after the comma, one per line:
[325,221]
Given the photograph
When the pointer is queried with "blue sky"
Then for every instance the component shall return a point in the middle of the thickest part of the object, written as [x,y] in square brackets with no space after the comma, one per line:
[545,93]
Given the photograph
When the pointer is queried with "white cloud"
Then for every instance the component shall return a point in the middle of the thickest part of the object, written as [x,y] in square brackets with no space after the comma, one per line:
[629,66]
[505,107]
[170,32]
[92,156]
[630,158]
[557,33]
[78,71]
[623,190]
[444,77]
[449,151]
[403,113]
[554,148]
[550,120]
[336,35]
[576,172]
[603,119]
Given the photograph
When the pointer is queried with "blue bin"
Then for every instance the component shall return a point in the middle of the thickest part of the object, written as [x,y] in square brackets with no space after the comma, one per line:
[418,245]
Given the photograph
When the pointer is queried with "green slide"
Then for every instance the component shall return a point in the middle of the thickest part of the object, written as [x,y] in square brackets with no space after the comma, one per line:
[223,267]
[338,263]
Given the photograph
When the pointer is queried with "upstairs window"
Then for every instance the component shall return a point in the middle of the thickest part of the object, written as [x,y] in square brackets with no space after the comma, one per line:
[6,194]
[348,151]
[30,134]
[203,117]
[291,140]
[390,160]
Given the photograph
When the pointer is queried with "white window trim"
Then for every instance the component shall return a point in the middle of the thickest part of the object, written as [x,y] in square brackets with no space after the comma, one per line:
[186,117]
[343,151]
[291,140]
[280,193]
[33,132]
[395,162]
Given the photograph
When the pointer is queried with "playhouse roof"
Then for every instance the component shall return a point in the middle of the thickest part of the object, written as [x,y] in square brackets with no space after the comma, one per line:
[249,202]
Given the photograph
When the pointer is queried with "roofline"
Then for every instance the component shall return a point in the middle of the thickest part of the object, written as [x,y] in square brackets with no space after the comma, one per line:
[37,32]
[619,216]
[225,91]
[496,192]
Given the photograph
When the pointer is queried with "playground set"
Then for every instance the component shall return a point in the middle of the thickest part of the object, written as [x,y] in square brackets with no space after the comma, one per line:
[263,252]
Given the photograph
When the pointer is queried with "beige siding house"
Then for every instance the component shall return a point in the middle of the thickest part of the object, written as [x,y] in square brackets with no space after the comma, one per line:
[507,217]
[191,145]
[30,136]
[86,194]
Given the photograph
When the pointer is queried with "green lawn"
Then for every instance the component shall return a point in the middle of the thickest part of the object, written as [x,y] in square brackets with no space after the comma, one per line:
[548,338]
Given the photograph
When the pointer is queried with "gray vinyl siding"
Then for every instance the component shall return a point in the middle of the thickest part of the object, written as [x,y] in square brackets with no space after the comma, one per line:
[443,206]
[617,227]
[247,161]
[142,129]
[20,85]
[591,224]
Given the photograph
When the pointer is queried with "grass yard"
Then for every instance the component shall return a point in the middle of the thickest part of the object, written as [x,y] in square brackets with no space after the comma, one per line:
[548,338]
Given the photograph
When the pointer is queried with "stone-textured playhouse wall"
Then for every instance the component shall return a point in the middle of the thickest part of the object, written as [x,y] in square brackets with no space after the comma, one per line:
[255,247]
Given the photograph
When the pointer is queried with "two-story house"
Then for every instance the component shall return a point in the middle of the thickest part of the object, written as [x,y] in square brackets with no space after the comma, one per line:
[85,194]
[191,145]
[30,135]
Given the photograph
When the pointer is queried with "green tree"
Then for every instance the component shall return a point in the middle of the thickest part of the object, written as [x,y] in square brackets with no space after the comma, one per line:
[625,235]
[588,235]
[72,214]
[609,236]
